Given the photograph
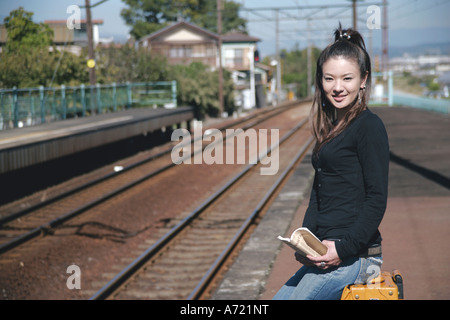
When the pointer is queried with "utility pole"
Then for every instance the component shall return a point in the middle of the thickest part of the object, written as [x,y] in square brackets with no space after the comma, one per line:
[219,32]
[309,67]
[277,31]
[92,76]
[385,58]
[355,14]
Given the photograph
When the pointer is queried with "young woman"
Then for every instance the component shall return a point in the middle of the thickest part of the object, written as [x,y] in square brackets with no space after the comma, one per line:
[351,161]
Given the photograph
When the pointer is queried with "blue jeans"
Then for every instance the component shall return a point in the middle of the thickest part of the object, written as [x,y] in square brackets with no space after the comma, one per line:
[312,283]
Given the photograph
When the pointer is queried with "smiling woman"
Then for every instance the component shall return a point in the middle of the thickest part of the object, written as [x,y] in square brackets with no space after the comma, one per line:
[351,161]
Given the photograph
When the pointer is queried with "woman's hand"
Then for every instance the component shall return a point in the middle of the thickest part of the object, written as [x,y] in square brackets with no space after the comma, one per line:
[303,260]
[330,259]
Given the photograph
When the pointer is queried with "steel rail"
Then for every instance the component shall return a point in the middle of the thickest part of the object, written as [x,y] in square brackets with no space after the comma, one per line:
[109,288]
[103,178]
[45,228]
[213,270]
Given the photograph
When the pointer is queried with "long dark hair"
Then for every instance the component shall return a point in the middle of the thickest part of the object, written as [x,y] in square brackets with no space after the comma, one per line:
[348,44]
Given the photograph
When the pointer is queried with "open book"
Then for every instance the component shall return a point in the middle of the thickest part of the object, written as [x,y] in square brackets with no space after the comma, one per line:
[305,242]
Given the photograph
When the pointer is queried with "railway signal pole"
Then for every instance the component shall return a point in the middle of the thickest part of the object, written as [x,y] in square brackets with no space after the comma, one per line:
[219,32]
[385,56]
[92,76]
[355,14]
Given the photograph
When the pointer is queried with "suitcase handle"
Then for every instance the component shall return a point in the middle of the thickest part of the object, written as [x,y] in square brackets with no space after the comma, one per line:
[398,279]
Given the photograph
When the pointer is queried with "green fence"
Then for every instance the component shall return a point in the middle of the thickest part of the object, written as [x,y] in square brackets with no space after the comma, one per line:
[31,106]
[383,93]
[430,104]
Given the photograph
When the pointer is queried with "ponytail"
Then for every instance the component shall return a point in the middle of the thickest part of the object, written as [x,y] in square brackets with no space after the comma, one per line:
[349,35]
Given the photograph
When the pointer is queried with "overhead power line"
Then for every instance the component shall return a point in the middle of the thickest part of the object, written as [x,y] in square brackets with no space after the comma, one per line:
[307,7]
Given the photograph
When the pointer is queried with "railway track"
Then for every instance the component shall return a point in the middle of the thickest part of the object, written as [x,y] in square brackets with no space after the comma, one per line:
[226,227]
[41,218]
[184,262]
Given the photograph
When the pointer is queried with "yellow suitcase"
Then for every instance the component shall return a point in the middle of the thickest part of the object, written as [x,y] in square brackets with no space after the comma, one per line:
[387,286]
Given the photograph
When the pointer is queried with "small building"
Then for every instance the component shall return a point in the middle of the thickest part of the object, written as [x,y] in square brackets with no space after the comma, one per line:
[238,51]
[74,39]
[76,36]
[71,39]
[184,43]
[238,56]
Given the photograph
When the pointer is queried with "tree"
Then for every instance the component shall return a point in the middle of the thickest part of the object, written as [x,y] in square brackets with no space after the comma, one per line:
[29,43]
[295,68]
[198,87]
[23,33]
[434,86]
[148,16]
[126,63]
[207,17]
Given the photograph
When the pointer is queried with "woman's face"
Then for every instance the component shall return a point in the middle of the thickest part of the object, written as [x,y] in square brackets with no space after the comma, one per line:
[341,81]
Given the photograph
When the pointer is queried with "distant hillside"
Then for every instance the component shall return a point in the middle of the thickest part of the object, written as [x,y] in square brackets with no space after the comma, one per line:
[416,50]
[429,48]
[415,42]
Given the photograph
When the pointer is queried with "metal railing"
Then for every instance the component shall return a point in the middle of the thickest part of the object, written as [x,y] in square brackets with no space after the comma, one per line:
[31,106]
[424,103]
[383,93]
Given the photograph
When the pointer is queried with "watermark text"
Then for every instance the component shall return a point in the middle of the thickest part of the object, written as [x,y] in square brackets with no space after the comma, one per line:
[74,280]
[74,20]
[240,147]
[374,20]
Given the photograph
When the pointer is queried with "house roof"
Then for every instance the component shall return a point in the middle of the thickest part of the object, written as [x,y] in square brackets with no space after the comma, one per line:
[227,38]
[177,25]
[238,37]
[94,21]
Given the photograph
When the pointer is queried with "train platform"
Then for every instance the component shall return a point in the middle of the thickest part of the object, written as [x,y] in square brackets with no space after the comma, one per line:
[415,228]
[24,147]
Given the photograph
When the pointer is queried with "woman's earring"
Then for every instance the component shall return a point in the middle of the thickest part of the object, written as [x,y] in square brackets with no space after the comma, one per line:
[359,93]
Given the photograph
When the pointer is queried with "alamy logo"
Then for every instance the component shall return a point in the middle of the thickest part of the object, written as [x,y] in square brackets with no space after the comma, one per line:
[374,20]
[236,140]
[74,20]
[73,281]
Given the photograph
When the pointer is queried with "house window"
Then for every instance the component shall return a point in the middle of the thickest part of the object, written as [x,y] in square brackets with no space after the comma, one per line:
[180,52]
[234,57]
[238,53]
[173,52]
[210,52]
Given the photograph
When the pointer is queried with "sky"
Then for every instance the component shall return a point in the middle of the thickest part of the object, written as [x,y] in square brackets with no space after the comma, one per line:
[410,22]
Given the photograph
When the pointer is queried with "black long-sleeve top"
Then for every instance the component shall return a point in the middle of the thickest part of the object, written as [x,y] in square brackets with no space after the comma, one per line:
[349,194]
